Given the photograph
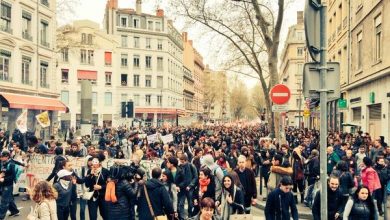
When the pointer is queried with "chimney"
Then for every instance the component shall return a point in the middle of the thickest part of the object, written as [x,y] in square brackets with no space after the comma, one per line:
[138,7]
[299,17]
[185,36]
[160,13]
[112,4]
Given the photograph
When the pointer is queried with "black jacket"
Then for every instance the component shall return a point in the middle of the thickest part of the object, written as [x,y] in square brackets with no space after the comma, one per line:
[159,199]
[124,207]
[210,192]
[278,206]
[90,181]
[57,167]
[238,204]
[8,168]
[179,179]
[190,177]
[336,203]
[64,195]
[248,181]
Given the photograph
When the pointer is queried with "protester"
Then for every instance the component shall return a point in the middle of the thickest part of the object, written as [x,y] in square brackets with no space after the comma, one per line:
[207,209]
[187,186]
[360,206]
[170,186]
[298,176]
[44,195]
[7,178]
[64,188]
[205,188]
[247,179]
[57,164]
[232,199]
[369,176]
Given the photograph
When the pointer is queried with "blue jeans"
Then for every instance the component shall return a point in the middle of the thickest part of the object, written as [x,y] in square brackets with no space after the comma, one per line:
[83,204]
[182,196]
[7,201]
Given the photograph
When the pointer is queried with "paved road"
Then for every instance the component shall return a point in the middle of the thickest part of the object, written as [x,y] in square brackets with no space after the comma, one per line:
[24,207]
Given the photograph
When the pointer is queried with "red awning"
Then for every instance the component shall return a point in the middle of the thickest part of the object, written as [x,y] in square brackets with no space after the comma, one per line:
[33,102]
[107,58]
[86,74]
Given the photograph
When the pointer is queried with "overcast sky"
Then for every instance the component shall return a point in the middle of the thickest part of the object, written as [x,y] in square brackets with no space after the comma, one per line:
[94,10]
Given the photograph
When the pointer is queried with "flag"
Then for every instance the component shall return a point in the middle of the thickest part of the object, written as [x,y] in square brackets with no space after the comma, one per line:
[43,119]
[21,122]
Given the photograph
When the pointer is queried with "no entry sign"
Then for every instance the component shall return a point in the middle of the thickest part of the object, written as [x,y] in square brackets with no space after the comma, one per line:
[280,94]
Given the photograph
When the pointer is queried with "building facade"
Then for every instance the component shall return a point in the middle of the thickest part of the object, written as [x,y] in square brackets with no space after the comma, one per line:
[88,53]
[291,72]
[151,56]
[28,64]
[358,34]
[188,79]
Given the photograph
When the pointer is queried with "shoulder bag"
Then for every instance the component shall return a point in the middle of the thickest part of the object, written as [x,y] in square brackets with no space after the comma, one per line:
[88,195]
[160,217]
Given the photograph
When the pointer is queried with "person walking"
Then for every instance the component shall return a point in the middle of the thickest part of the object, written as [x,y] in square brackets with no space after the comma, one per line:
[58,160]
[7,178]
[207,210]
[187,186]
[44,195]
[361,206]
[205,188]
[247,179]
[298,173]
[369,176]
[232,199]
[64,188]
[170,186]
[281,201]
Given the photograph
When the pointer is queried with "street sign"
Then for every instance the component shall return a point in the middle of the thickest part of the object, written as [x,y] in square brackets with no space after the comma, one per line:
[280,94]
[279,108]
[312,28]
[311,80]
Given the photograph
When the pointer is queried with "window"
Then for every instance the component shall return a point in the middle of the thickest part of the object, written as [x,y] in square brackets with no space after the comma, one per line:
[5,57]
[300,51]
[159,82]
[136,100]
[378,38]
[44,33]
[124,60]
[64,75]
[124,40]
[5,23]
[136,23]
[300,69]
[147,100]
[150,25]
[359,50]
[148,62]
[159,45]
[159,100]
[26,64]
[83,38]
[83,56]
[148,81]
[136,61]
[26,26]
[160,64]
[136,42]
[148,45]
[136,80]
[158,26]
[43,75]
[124,79]
[90,57]
[108,78]
[356,114]
[65,97]
[108,99]
[123,22]
[90,39]
[107,58]
[299,35]
[45,2]
[65,54]
[94,98]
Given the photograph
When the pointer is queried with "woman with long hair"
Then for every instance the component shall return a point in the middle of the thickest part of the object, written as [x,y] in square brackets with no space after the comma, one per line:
[170,186]
[207,208]
[298,173]
[44,195]
[232,199]
[360,206]
[346,179]
[205,188]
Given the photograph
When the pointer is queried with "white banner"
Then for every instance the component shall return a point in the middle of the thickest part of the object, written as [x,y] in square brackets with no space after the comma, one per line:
[167,138]
[21,122]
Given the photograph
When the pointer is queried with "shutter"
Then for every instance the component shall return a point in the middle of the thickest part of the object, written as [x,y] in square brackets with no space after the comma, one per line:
[356,114]
[375,112]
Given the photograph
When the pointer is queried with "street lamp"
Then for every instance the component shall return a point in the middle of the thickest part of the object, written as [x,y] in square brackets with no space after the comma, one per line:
[266,7]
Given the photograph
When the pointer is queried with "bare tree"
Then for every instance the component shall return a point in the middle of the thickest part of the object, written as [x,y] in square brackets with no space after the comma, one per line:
[251,34]
[66,10]
[257,101]
[239,100]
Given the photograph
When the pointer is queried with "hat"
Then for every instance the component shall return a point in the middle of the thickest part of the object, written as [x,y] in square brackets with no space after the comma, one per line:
[5,153]
[286,181]
[62,173]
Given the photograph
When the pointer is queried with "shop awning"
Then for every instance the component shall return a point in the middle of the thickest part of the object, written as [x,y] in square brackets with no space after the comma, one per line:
[33,102]
[86,74]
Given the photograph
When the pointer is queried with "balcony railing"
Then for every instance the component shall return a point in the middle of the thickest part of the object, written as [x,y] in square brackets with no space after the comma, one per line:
[27,82]
[108,83]
[26,35]
[44,85]
[6,29]
[65,81]
[45,44]
[124,83]
[5,78]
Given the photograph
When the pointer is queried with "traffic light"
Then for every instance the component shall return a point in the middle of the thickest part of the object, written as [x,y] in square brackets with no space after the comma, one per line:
[130,109]
[123,109]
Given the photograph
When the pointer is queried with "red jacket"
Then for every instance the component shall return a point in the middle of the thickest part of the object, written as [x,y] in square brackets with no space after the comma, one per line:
[371,179]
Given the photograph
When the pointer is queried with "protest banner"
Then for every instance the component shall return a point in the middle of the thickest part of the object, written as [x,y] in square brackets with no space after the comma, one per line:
[21,121]
[167,138]
[152,138]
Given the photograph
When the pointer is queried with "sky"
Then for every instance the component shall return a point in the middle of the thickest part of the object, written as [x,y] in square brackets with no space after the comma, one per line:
[94,10]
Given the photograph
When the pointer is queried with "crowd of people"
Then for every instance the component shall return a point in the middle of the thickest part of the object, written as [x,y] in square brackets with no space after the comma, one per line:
[211,169]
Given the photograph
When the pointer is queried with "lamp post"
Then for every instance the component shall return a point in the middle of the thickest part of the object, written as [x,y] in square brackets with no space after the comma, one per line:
[266,7]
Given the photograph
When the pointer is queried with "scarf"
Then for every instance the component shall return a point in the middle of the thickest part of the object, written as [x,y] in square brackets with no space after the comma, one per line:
[203,184]
[64,183]
[226,209]
[110,192]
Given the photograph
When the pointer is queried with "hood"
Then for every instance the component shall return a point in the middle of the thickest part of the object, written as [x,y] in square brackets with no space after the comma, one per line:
[208,160]
[154,183]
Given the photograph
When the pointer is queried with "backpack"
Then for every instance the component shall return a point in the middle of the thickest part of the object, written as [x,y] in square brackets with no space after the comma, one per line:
[18,171]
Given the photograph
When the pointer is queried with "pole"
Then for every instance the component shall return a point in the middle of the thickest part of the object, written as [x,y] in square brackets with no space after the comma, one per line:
[323,114]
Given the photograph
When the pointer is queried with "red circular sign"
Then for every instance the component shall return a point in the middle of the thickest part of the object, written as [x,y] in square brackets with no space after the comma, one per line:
[280,94]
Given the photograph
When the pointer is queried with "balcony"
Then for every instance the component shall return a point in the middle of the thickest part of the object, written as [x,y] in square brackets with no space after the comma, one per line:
[65,81]
[45,44]
[27,82]
[108,83]
[124,83]
[5,78]
[6,29]
[44,85]
[26,35]
[345,22]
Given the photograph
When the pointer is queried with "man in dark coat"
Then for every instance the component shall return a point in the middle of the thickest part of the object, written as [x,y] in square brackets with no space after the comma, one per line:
[158,197]
[280,201]
[336,202]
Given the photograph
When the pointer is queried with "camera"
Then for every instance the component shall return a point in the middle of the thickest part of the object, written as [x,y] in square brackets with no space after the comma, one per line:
[121,172]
